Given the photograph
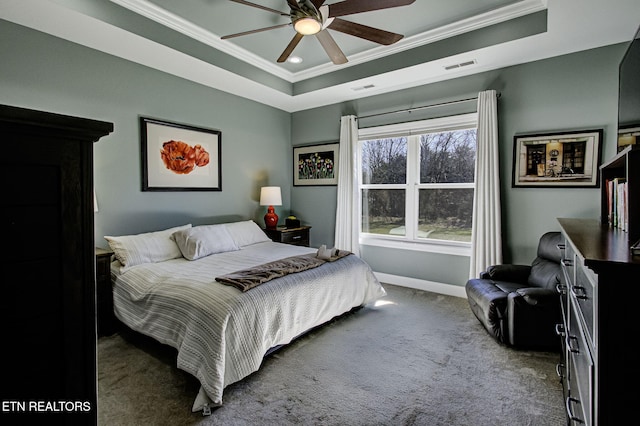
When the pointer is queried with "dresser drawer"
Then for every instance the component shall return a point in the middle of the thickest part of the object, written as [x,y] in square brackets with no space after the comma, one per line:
[583,292]
[296,237]
[568,261]
[579,402]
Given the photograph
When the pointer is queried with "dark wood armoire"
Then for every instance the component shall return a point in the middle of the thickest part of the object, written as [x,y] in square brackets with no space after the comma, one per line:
[48,267]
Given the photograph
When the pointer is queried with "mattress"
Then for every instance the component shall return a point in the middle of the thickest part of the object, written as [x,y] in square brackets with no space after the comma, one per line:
[222,334]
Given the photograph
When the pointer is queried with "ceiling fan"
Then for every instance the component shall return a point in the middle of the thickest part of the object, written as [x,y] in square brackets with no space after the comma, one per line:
[312,17]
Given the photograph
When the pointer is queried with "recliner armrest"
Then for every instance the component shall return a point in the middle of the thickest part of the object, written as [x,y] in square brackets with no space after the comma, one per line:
[533,314]
[509,272]
[538,296]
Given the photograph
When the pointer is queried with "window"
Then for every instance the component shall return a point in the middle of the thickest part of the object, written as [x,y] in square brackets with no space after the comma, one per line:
[417,181]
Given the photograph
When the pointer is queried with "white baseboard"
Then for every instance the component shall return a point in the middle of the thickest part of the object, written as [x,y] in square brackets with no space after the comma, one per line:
[434,287]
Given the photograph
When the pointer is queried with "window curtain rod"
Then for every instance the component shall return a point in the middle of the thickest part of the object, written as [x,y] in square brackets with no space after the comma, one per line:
[459,101]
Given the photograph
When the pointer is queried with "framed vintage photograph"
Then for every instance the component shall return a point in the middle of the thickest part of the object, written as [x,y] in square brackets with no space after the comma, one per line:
[315,164]
[562,159]
[180,157]
[629,135]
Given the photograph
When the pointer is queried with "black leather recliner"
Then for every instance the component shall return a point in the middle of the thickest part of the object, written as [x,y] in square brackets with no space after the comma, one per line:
[519,305]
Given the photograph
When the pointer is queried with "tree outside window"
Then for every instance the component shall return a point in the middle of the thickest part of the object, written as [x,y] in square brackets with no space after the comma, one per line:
[419,187]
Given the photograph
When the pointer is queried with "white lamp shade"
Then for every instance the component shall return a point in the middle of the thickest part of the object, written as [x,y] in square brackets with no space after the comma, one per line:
[270,196]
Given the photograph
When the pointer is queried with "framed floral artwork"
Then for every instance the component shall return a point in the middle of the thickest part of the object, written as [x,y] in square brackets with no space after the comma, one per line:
[180,157]
[315,165]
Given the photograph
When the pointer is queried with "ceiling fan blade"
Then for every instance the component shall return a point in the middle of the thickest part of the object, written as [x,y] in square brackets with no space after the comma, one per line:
[255,31]
[318,3]
[259,6]
[293,4]
[366,32]
[331,47]
[292,45]
[349,7]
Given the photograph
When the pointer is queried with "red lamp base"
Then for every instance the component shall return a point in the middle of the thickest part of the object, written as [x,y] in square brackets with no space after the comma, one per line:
[271,218]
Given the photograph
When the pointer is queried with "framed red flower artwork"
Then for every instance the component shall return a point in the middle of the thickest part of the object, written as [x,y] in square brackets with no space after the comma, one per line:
[180,157]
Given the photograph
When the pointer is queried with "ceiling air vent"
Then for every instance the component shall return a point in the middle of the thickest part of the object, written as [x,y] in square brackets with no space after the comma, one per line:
[460,65]
[365,87]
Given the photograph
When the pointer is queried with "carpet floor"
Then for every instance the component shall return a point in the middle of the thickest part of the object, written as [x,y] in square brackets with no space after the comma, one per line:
[413,358]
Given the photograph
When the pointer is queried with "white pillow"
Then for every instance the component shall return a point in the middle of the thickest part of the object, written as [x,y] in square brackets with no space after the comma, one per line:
[246,233]
[149,247]
[201,241]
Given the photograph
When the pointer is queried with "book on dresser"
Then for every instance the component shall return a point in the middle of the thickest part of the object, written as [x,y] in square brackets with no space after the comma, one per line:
[617,202]
[620,192]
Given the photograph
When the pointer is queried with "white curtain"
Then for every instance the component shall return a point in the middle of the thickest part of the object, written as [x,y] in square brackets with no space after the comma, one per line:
[346,237]
[486,243]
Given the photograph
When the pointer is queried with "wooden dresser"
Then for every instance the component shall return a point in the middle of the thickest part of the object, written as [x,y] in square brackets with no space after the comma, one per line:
[48,307]
[599,368]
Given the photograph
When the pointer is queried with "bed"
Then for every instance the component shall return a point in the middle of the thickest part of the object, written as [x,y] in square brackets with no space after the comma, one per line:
[164,286]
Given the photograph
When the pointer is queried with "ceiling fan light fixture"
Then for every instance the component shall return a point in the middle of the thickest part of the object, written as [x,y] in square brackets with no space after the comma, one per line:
[307,26]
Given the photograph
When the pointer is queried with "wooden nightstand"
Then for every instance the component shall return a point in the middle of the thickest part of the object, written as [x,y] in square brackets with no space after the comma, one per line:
[296,236]
[104,293]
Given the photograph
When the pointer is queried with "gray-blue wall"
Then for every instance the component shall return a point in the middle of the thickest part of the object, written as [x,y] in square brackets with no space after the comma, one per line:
[37,71]
[42,72]
[577,91]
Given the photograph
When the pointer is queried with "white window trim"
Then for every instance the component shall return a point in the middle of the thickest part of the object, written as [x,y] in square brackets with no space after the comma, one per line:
[401,243]
[407,129]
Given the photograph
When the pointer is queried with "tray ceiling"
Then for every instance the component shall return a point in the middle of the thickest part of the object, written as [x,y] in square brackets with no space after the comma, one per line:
[443,39]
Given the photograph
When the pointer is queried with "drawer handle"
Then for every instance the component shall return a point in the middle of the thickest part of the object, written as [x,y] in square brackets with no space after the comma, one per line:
[560,370]
[566,262]
[570,411]
[296,237]
[560,330]
[579,292]
[570,347]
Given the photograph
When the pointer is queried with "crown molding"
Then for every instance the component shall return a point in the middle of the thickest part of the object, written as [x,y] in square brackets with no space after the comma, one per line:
[183,26]
[177,23]
[487,19]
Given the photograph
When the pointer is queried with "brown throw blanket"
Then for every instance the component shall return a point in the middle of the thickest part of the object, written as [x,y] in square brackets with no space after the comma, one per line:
[247,279]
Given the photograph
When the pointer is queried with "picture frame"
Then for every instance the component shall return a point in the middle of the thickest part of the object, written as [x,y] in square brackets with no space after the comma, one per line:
[568,159]
[628,135]
[180,157]
[316,165]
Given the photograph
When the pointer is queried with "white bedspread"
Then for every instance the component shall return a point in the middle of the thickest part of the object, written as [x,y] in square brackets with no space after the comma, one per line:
[222,334]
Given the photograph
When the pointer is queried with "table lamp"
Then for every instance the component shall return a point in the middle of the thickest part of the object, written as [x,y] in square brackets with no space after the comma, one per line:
[270,196]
